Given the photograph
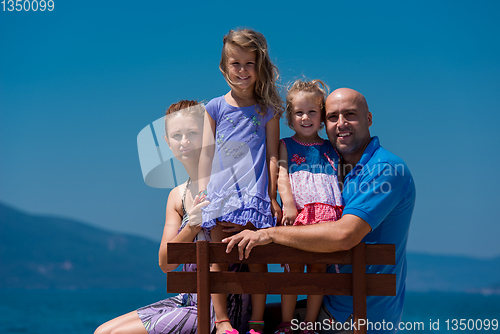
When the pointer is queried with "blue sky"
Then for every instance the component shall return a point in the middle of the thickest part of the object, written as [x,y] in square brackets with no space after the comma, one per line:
[78,84]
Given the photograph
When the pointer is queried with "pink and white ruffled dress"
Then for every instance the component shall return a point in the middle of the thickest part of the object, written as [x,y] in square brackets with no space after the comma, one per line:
[312,169]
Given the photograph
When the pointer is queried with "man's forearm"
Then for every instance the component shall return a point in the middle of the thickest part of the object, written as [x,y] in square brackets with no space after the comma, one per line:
[323,237]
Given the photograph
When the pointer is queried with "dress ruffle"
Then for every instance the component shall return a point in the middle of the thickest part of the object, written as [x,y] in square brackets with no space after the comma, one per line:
[318,213]
[238,208]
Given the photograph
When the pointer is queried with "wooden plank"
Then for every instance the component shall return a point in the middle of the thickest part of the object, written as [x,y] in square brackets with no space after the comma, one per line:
[274,253]
[380,254]
[282,283]
[359,281]
[380,284]
[181,252]
[203,286]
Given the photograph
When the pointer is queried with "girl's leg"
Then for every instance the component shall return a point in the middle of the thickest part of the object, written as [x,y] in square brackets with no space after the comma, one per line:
[129,323]
[220,300]
[288,301]
[258,301]
[314,301]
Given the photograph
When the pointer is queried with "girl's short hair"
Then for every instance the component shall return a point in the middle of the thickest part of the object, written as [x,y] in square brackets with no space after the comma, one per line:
[186,108]
[265,91]
[317,88]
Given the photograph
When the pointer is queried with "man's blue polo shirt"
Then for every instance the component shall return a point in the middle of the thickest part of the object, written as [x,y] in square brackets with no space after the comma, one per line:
[380,190]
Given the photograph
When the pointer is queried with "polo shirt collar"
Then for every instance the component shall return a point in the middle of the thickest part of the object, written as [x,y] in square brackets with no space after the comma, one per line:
[367,155]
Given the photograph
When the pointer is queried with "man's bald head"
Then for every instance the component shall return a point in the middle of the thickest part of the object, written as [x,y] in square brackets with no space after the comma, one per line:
[349,95]
[347,123]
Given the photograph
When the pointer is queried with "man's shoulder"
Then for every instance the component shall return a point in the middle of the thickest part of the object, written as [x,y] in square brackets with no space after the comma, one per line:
[385,158]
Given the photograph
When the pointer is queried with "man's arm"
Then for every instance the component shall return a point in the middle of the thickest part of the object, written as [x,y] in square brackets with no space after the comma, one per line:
[342,234]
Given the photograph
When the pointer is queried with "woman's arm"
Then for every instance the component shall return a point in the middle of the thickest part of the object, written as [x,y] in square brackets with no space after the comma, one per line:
[285,188]
[173,219]
[272,142]
[207,152]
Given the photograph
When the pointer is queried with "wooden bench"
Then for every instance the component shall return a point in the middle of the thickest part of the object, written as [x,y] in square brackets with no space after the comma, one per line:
[359,284]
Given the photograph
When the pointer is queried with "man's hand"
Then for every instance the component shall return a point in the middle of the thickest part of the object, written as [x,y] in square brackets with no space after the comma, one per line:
[246,240]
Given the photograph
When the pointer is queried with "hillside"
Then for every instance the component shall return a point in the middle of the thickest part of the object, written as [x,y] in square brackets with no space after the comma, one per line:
[41,252]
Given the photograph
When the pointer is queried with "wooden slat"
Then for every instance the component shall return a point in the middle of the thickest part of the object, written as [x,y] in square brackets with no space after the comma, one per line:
[359,281]
[273,253]
[203,286]
[181,252]
[285,283]
[380,254]
[380,284]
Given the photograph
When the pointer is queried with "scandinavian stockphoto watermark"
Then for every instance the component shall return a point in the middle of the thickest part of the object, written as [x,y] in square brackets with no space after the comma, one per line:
[432,325]
[376,181]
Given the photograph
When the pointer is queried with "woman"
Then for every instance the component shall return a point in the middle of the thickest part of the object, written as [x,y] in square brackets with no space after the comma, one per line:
[178,314]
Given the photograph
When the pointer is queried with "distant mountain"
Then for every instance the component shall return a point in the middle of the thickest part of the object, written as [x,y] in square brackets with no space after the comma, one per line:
[41,252]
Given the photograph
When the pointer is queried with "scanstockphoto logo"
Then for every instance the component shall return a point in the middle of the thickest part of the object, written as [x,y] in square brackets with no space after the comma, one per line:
[159,167]
[168,142]
[378,326]
[383,326]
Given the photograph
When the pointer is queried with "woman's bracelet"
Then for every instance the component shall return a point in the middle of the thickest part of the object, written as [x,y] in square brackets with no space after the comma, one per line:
[202,193]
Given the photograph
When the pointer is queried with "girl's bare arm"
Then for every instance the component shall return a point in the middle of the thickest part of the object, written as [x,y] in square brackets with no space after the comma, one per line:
[285,188]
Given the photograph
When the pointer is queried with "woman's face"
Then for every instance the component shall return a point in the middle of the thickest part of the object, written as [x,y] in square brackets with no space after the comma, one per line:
[185,136]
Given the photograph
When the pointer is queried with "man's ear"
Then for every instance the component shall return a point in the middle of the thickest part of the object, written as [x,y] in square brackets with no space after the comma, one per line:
[369,119]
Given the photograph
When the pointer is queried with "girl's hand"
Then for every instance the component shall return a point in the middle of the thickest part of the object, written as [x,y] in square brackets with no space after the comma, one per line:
[195,217]
[289,215]
[276,210]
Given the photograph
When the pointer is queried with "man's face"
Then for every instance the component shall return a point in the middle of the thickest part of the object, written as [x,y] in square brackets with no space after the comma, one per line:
[347,123]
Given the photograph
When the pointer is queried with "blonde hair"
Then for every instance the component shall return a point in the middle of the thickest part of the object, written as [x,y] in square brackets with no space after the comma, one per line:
[316,87]
[186,108]
[265,91]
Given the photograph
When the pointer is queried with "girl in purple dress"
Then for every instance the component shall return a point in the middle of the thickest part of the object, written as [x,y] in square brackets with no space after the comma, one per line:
[238,163]
[307,183]
[178,314]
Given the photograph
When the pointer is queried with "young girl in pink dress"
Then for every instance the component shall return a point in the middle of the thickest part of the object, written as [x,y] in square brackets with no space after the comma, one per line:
[308,183]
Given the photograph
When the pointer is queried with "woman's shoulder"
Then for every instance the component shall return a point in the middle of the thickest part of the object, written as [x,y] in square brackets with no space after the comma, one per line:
[175,197]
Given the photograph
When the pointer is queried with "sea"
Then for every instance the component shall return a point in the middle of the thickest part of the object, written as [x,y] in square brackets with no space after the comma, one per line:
[82,311]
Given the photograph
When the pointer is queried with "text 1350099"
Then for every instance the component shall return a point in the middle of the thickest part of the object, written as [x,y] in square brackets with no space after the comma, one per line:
[27,5]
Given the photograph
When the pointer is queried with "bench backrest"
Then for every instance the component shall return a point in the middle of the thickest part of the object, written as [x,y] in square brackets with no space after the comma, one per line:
[203,282]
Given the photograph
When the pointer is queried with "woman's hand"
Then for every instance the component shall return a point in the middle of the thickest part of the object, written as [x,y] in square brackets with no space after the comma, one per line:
[195,214]
[289,215]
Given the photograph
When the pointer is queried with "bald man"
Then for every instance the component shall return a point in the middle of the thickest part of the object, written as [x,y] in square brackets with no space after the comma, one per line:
[379,196]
